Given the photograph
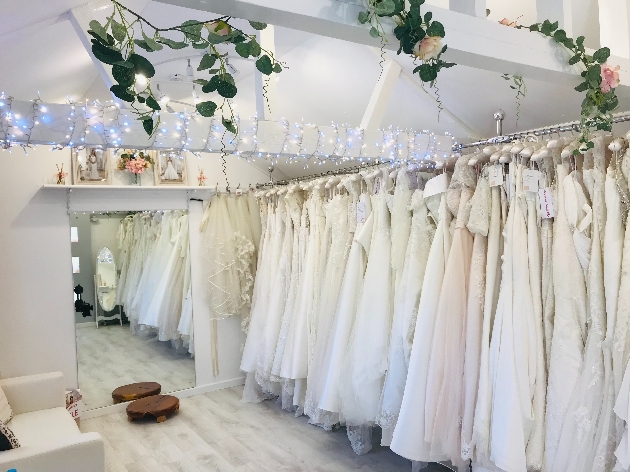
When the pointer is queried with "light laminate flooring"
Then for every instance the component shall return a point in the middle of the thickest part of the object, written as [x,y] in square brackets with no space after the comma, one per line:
[111,356]
[218,432]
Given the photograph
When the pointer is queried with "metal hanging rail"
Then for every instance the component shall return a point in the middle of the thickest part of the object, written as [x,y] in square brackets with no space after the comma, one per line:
[560,128]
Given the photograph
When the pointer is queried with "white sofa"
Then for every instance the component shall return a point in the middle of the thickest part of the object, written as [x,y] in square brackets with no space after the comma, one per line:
[49,437]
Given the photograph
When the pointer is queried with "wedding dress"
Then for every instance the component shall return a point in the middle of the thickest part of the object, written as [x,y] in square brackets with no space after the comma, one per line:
[444,400]
[405,313]
[170,173]
[569,333]
[408,439]
[401,222]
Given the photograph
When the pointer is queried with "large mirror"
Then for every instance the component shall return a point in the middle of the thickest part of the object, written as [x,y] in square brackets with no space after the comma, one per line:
[133,302]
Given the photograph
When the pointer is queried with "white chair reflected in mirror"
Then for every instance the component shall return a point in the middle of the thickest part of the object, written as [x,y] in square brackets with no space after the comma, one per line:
[105,286]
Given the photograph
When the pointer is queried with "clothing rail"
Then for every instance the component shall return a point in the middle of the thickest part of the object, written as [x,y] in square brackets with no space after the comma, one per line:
[560,128]
[330,173]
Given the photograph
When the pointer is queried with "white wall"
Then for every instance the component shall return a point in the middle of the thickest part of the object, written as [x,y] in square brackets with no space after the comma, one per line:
[37,328]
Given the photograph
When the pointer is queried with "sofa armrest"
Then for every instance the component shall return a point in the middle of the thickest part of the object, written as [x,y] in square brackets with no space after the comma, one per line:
[35,392]
[80,453]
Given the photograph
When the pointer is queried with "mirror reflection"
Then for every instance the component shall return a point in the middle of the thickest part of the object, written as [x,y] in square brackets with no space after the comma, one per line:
[133,302]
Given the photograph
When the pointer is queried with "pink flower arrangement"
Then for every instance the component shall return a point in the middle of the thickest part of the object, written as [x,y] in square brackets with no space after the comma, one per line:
[60,175]
[610,78]
[136,166]
[429,47]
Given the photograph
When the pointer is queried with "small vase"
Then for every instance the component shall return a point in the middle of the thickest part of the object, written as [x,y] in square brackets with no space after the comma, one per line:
[137,180]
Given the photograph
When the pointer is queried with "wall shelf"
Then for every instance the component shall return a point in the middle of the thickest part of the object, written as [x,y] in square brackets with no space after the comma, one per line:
[158,188]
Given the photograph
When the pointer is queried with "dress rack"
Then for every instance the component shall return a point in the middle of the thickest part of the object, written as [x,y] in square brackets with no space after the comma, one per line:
[547,130]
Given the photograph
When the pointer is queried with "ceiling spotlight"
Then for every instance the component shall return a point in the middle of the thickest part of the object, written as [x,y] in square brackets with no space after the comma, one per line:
[189,71]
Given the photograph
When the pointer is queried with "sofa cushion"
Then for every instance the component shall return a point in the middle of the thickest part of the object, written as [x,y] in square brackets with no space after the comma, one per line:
[41,426]
[8,440]
[5,409]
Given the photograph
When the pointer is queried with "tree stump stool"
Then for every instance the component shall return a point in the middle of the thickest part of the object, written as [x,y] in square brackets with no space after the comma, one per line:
[159,406]
[135,391]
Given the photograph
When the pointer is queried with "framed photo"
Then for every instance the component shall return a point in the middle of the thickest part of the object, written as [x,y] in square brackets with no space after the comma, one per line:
[170,168]
[91,166]
[122,157]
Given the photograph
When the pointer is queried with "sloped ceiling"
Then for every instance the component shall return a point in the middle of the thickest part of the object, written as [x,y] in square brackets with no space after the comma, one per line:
[328,80]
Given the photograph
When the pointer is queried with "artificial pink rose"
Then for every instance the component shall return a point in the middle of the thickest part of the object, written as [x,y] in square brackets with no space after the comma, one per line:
[506,22]
[610,78]
[220,28]
[429,47]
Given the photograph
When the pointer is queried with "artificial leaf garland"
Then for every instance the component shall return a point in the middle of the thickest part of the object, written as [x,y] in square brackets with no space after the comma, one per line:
[419,35]
[115,44]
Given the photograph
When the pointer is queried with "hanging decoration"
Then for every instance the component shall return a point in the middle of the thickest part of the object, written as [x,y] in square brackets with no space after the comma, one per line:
[115,43]
[419,36]
[518,84]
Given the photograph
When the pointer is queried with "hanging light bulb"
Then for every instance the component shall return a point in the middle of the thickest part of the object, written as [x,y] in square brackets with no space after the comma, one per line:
[189,71]
[141,80]
[196,98]
[163,98]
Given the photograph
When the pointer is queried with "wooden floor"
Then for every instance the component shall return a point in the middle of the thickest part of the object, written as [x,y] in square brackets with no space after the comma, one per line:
[111,356]
[217,432]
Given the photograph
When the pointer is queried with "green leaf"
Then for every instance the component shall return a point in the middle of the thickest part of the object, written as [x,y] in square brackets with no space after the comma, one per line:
[242,49]
[226,89]
[105,54]
[123,75]
[203,45]
[96,39]
[126,64]
[119,31]
[192,30]
[122,92]
[200,81]
[173,44]
[436,29]
[98,29]
[239,38]
[364,17]
[141,65]
[152,43]
[277,68]
[601,55]
[560,35]
[216,39]
[143,44]
[427,17]
[385,7]
[152,103]
[264,65]
[147,124]
[374,32]
[546,28]
[583,87]
[211,86]
[213,71]
[258,25]
[254,48]
[594,75]
[428,72]
[207,61]
[575,59]
[141,99]
[229,125]
[534,27]
[554,26]
[206,109]
[448,65]
[569,44]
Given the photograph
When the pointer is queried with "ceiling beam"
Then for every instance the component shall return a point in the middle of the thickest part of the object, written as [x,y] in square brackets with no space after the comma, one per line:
[472,41]
[375,111]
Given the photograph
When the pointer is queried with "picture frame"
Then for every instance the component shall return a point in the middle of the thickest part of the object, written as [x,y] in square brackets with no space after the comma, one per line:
[170,168]
[91,166]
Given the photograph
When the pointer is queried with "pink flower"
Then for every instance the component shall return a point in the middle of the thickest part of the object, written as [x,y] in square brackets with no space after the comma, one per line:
[429,47]
[136,166]
[610,78]
[506,22]
[220,28]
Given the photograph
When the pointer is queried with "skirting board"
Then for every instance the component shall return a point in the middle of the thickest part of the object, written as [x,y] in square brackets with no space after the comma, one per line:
[107,410]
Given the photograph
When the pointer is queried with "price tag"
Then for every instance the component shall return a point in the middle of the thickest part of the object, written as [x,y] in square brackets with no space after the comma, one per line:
[360,212]
[377,185]
[530,180]
[546,203]
[495,176]
[239,191]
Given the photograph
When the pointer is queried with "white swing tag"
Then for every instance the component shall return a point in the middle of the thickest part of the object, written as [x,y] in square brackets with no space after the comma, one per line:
[546,203]
[361,212]
[495,176]
[530,180]
[377,185]
[239,191]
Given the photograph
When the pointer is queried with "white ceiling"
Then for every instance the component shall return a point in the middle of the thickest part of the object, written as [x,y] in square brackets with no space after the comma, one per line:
[328,80]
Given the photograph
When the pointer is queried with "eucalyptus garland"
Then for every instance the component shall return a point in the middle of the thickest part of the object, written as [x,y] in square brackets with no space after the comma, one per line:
[115,43]
[419,35]
[518,84]
[599,81]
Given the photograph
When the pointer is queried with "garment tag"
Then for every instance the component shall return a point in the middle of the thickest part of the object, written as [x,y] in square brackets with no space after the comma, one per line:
[239,191]
[436,185]
[530,180]
[377,185]
[361,212]
[495,176]
[546,203]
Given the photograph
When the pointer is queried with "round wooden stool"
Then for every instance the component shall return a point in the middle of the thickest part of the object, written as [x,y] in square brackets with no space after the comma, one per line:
[159,406]
[131,392]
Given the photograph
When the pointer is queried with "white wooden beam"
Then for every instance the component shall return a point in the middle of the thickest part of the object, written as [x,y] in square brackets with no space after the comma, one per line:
[267,102]
[474,42]
[614,21]
[469,7]
[381,94]
[80,18]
